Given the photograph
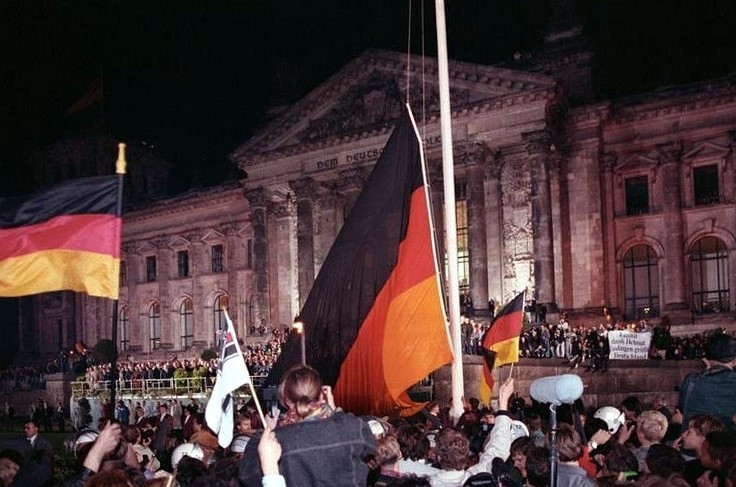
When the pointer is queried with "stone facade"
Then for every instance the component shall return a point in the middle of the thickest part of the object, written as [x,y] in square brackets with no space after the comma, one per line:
[628,204]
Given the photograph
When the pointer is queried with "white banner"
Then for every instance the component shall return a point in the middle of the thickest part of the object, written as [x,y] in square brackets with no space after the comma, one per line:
[629,345]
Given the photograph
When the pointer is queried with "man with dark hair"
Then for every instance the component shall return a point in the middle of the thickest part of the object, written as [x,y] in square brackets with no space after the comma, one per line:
[718,452]
[165,426]
[664,461]
[38,457]
[713,390]
[537,467]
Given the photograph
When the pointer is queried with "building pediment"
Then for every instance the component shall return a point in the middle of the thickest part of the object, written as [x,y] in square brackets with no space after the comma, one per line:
[707,150]
[365,98]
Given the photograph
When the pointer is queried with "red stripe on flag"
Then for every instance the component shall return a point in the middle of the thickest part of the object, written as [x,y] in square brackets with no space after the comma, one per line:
[98,233]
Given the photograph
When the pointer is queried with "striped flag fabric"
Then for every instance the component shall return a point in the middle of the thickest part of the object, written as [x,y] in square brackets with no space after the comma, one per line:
[66,237]
[500,343]
[232,374]
[374,321]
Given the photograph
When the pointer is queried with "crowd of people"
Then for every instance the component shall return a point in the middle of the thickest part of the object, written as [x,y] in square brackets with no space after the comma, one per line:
[310,441]
[25,378]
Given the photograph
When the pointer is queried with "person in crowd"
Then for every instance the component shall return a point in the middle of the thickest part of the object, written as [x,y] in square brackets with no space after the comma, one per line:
[10,463]
[712,391]
[718,455]
[520,449]
[321,445]
[385,461]
[664,461]
[37,455]
[692,440]
[651,426]
[569,451]
[619,465]
[414,446]
[164,428]
[537,467]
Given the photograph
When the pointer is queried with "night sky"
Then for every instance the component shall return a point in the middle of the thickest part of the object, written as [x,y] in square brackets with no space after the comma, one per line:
[196,77]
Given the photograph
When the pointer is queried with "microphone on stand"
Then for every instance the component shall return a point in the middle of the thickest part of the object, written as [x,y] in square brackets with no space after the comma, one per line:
[556,390]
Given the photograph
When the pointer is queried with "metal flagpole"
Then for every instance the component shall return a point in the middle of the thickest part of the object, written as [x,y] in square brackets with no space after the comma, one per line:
[120,165]
[448,176]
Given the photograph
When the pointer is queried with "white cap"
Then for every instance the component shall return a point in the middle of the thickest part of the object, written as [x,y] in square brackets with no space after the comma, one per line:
[186,450]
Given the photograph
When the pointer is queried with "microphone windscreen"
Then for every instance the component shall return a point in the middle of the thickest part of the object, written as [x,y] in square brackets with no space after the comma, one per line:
[557,389]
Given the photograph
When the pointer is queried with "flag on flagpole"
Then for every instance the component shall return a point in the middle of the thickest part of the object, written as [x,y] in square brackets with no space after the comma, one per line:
[374,321]
[66,237]
[500,343]
[232,374]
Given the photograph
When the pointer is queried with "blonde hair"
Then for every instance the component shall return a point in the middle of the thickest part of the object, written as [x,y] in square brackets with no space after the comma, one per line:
[301,389]
[387,452]
[652,426]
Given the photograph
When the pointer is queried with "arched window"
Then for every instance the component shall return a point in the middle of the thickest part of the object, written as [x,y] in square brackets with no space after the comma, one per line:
[124,329]
[709,271]
[219,316]
[641,282]
[186,317]
[154,325]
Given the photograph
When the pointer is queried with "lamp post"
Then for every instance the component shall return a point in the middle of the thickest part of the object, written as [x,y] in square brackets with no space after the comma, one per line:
[298,326]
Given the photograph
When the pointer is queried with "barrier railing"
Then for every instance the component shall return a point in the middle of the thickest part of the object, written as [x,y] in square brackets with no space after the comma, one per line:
[153,387]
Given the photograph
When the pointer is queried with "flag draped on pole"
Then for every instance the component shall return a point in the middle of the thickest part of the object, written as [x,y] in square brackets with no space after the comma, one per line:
[500,343]
[374,322]
[66,237]
[231,375]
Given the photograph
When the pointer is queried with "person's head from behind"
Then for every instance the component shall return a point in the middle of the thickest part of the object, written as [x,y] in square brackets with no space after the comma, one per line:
[718,449]
[519,450]
[189,470]
[721,348]
[386,454]
[301,390]
[452,449]
[631,407]
[620,463]
[569,445]
[697,429]
[413,442]
[664,460]
[537,467]
[10,463]
[651,426]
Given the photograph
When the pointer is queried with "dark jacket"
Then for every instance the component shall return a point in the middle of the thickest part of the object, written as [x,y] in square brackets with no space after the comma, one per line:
[327,452]
[38,462]
[711,391]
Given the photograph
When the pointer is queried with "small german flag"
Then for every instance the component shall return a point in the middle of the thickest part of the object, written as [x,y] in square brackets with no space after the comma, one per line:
[374,322]
[500,344]
[66,237]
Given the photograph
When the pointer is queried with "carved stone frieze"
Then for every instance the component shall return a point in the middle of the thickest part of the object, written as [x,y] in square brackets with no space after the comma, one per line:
[473,154]
[494,165]
[352,178]
[669,153]
[282,210]
[516,184]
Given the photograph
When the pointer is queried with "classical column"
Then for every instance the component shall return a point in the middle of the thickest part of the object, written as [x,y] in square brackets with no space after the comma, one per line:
[671,191]
[164,259]
[286,287]
[437,200]
[329,222]
[494,226]
[609,235]
[350,183]
[232,242]
[305,190]
[475,159]
[537,146]
[257,199]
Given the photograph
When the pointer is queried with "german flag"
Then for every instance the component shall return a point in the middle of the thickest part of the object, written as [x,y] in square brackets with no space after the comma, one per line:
[374,322]
[500,344]
[66,237]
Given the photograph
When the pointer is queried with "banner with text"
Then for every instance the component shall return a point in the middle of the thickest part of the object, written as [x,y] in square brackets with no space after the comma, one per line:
[629,345]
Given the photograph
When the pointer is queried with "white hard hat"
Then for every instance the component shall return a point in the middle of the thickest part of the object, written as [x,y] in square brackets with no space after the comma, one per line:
[612,417]
[84,437]
[186,450]
[239,443]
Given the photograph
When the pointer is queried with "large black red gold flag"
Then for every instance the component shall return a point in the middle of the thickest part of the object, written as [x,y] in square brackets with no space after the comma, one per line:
[500,343]
[66,237]
[374,322]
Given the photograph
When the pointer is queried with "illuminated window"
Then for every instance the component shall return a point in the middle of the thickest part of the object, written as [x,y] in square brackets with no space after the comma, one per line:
[217,259]
[637,195]
[641,282]
[705,184]
[463,250]
[154,326]
[709,271]
[124,329]
[219,316]
[186,317]
[182,263]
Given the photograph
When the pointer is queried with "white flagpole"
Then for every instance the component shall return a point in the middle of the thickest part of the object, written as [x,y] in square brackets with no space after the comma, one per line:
[448,176]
